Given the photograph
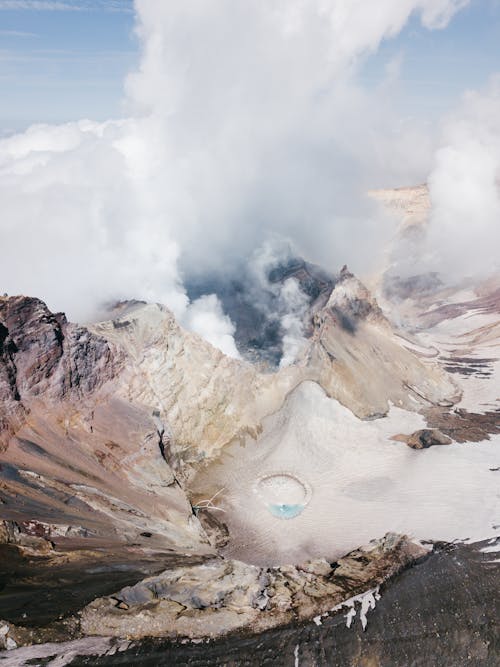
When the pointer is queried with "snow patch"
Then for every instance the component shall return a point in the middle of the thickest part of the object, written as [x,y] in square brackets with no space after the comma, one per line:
[366,602]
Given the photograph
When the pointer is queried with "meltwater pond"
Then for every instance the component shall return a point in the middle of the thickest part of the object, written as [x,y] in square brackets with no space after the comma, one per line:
[283,493]
[284,511]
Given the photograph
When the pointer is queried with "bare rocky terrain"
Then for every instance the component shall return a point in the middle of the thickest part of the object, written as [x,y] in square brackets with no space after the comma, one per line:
[152,487]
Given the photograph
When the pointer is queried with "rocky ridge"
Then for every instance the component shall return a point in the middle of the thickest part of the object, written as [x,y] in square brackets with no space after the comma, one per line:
[221,596]
[106,426]
[101,420]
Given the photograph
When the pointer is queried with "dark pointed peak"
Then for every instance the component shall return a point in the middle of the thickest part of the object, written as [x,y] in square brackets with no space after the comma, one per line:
[345,273]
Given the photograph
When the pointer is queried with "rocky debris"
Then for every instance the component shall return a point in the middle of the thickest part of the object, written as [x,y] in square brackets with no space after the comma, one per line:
[109,482]
[41,592]
[29,543]
[6,532]
[220,596]
[215,528]
[38,535]
[74,652]
[424,438]
[6,641]
[464,426]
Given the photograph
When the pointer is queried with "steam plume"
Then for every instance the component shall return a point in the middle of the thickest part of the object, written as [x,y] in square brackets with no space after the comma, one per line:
[246,122]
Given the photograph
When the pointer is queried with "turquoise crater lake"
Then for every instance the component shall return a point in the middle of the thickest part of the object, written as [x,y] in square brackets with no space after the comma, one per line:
[284,494]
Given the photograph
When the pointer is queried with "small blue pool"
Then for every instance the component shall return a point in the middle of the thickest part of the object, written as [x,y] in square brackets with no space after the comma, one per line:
[283,493]
[284,511]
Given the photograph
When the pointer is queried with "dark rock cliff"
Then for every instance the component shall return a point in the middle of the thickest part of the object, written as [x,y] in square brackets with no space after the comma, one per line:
[42,354]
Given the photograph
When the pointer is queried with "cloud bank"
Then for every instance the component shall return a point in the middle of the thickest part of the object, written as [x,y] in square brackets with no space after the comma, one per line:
[245,123]
[464,231]
[460,239]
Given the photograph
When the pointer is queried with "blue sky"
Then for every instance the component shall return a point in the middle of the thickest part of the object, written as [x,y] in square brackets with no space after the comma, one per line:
[64,64]
[62,60]
[437,66]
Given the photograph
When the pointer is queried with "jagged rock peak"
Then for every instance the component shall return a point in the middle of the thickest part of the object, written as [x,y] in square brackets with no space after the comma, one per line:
[350,301]
[41,353]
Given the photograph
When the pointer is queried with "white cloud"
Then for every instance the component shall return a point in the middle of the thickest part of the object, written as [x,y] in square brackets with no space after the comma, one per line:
[17,33]
[464,234]
[245,123]
[75,223]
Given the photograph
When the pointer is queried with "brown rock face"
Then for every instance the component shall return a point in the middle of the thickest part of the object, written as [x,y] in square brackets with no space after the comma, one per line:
[42,352]
[9,395]
[360,361]
[35,338]
[76,452]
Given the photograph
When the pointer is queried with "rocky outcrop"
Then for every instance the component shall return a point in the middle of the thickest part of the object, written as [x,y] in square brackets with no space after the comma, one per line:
[72,448]
[226,398]
[41,354]
[424,438]
[360,361]
[51,356]
[412,204]
[6,641]
[26,542]
[440,611]
[217,597]
[12,409]
[220,596]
